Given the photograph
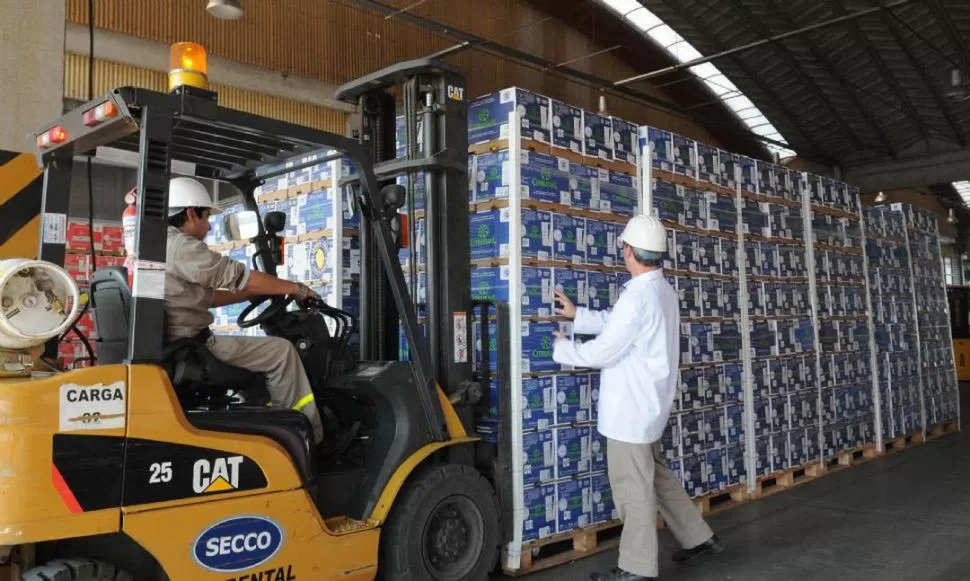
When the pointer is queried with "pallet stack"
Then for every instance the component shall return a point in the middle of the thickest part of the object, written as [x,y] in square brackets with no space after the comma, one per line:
[841,312]
[109,249]
[321,250]
[704,444]
[894,322]
[550,190]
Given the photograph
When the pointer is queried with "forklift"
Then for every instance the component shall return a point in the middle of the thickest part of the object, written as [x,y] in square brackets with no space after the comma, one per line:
[192,477]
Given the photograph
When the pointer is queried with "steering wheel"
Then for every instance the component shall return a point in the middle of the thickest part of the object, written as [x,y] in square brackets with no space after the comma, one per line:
[276,308]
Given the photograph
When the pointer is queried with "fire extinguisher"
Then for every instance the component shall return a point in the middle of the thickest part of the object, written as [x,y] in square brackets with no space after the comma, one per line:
[129,221]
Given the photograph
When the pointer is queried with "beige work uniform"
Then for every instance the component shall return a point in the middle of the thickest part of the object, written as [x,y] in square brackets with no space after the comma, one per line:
[192,273]
[641,484]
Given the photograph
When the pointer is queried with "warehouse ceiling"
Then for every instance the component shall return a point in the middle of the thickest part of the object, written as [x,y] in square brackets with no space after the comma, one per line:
[871,94]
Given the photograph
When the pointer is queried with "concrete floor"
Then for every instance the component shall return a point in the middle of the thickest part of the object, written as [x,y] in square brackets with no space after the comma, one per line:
[902,517]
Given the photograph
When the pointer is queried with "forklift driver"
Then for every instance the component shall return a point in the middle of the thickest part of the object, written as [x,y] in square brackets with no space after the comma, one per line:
[197,279]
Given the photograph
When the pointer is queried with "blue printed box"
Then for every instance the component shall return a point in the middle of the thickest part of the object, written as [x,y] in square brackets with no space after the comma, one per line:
[722,213]
[400,137]
[716,470]
[545,178]
[490,235]
[733,428]
[315,211]
[699,343]
[708,164]
[690,388]
[540,512]
[599,286]
[778,451]
[488,116]
[691,429]
[601,242]
[567,127]
[670,438]
[598,132]
[539,398]
[730,169]
[597,450]
[537,343]
[693,474]
[575,504]
[734,465]
[669,203]
[603,508]
[625,141]
[492,283]
[539,457]
[572,283]
[749,174]
[572,451]
[685,156]
[581,180]
[572,398]
[594,395]
[617,193]
[568,238]
[661,147]
[321,258]
[731,379]
[419,189]
[767,174]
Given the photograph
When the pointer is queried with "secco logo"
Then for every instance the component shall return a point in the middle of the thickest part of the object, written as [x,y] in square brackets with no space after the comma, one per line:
[238,544]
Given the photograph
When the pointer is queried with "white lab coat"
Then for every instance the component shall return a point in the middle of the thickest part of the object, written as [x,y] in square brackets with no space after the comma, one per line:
[638,348]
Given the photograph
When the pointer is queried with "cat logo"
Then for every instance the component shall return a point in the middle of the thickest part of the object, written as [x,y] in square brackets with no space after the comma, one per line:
[456,93]
[218,475]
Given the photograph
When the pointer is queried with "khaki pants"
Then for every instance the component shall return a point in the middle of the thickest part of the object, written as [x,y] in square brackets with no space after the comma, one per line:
[286,380]
[642,483]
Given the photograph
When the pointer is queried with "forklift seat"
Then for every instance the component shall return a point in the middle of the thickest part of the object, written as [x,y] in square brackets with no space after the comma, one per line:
[199,378]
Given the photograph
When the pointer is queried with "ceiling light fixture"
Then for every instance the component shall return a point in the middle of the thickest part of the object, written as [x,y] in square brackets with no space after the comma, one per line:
[952,218]
[880,198]
[225,9]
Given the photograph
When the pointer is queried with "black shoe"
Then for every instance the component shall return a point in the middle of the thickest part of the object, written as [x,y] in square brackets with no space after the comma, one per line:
[711,547]
[618,574]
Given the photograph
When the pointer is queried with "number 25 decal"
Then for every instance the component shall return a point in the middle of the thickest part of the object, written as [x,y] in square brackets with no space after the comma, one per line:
[161,472]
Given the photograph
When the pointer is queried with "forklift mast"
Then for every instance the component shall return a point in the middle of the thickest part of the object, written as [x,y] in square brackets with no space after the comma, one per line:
[435,130]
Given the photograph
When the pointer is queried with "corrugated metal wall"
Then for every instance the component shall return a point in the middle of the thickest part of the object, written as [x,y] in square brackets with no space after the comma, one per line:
[336,41]
[108,75]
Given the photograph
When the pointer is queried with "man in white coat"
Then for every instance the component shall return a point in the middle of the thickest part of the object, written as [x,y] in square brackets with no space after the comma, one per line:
[638,348]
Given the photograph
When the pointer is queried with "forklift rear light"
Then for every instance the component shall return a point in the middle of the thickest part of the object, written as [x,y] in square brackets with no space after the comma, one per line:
[187,65]
[54,136]
[98,115]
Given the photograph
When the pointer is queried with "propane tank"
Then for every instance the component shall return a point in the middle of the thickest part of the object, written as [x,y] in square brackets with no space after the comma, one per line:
[129,220]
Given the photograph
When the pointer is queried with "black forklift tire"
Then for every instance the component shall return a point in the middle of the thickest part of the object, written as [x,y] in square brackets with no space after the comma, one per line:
[444,526]
[76,570]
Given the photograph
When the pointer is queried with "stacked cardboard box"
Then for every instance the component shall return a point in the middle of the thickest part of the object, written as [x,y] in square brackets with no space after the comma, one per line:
[566,177]
[894,322]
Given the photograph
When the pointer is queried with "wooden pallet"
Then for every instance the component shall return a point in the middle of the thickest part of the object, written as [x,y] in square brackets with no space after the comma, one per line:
[567,547]
[942,429]
[853,457]
[722,500]
[773,483]
[901,443]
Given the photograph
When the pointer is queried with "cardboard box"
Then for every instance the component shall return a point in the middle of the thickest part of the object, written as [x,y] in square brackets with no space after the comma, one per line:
[581,180]
[708,164]
[778,446]
[730,169]
[691,427]
[490,235]
[755,217]
[713,437]
[575,504]
[537,342]
[567,127]
[735,465]
[598,132]
[599,288]
[694,479]
[727,341]
[539,399]
[685,156]
[716,469]
[669,202]
[112,238]
[625,141]
[597,450]
[728,257]
[731,381]
[572,398]
[488,116]
[315,211]
[762,447]
[594,394]
[78,267]
[572,451]
[617,193]
[321,257]
[733,427]
[661,147]
[749,174]
[539,457]
[492,283]
[767,174]
[572,283]
[602,242]
[697,343]
[569,238]
[540,510]
[670,439]
[603,508]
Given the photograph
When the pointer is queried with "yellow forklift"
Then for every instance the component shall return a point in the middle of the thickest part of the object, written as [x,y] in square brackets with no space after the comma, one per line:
[160,463]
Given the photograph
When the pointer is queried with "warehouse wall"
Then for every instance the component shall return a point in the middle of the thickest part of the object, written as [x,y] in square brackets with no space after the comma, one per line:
[31,64]
[336,41]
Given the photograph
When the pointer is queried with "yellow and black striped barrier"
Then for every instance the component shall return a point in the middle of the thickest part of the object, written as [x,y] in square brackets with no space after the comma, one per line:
[21,194]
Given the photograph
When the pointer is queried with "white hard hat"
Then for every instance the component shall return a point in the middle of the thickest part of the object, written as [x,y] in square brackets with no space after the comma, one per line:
[646,233]
[188,193]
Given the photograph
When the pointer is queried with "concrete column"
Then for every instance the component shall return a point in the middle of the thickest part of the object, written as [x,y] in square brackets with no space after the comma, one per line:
[31,68]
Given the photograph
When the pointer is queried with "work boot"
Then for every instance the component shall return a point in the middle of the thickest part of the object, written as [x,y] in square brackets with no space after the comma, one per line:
[618,574]
[710,547]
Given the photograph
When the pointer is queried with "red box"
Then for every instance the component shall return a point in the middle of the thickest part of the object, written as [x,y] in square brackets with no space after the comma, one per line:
[104,261]
[112,239]
[78,267]
[78,236]
[86,326]
[71,351]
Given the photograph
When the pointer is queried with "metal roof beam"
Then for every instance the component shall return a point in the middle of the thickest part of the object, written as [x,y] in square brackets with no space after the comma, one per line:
[933,89]
[943,17]
[756,79]
[911,173]
[834,72]
[887,74]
